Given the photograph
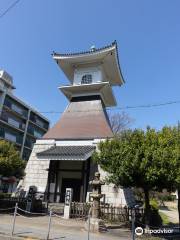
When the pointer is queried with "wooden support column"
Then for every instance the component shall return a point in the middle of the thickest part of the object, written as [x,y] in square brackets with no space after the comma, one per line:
[83,179]
[87,175]
[48,181]
[56,180]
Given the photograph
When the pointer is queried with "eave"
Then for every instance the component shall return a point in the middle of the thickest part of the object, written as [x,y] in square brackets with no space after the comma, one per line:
[107,56]
[103,89]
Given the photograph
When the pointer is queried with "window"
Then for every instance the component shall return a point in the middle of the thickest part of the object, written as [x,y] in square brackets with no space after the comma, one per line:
[10,137]
[37,134]
[13,122]
[86,79]
[39,122]
[17,108]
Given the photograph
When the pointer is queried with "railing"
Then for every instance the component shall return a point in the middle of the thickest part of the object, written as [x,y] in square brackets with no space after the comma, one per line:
[119,214]
[40,123]
[15,108]
[29,143]
[10,202]
[114,214]
[10,136]
[79,210]
[107,212]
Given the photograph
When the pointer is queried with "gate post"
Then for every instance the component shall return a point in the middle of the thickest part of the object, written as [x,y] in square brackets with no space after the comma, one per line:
[49,225]
[133,223]
[14,219]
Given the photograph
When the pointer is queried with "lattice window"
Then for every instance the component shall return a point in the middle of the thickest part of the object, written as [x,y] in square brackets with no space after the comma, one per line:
[86,79]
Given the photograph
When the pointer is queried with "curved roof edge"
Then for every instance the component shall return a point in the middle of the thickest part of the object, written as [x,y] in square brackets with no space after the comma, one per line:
[95,50]
[113,45]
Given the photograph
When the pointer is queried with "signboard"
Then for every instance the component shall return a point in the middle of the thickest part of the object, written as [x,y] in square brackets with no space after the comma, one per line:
[68,196]
[68,200]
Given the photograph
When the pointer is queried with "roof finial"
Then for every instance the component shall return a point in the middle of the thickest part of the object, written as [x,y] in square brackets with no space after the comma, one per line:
[93,48]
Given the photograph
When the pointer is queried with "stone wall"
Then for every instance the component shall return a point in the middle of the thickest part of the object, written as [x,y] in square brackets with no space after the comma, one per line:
[36,169]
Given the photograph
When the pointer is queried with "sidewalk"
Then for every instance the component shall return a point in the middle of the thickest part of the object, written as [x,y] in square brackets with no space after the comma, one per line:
[171,213]
[37,227]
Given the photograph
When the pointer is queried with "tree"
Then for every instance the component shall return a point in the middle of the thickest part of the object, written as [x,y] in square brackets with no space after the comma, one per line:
[11,163]
[132,161]
[177,154]
[119,122]
[169,151]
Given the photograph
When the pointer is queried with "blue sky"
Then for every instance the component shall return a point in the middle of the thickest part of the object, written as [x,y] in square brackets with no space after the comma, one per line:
[148,37]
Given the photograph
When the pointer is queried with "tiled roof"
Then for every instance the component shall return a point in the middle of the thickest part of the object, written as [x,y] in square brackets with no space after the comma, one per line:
[95,50]
[68,152]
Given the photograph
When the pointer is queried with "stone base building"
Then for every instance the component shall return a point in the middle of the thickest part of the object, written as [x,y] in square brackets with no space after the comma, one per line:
[62,158]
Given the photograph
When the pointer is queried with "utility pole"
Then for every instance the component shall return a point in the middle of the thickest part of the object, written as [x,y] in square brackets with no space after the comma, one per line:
[133,223]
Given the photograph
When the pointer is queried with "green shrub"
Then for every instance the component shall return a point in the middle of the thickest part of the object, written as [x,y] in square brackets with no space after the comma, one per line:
[154,204]
[167,198]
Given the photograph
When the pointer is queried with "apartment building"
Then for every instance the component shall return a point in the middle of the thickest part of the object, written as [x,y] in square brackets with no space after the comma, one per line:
[19,123]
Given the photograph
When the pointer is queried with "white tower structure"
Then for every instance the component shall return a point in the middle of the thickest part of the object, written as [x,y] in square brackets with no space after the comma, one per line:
[62,159]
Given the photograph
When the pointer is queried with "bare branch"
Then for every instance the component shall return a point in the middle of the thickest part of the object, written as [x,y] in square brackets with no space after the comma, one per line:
[120,122]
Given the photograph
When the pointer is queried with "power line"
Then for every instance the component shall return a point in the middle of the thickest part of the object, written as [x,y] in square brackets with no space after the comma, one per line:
[123,108]
[150,105]
[108,109]
[9,8]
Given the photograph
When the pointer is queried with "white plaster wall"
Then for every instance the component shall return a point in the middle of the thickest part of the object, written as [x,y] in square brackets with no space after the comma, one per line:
[96,73]
[116,196]
[74,143]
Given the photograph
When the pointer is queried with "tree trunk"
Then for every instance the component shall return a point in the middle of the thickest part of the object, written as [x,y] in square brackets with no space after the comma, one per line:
[147,206]
[178,193]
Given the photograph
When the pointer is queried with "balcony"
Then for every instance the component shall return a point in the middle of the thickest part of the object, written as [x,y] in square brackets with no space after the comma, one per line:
[15,108]
[10,136]
[34,132]
[39,122]
[13,122]
[29,143]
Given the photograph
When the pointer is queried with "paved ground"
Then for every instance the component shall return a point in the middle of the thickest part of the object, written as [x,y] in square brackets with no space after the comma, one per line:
[37,227]
[171,213]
